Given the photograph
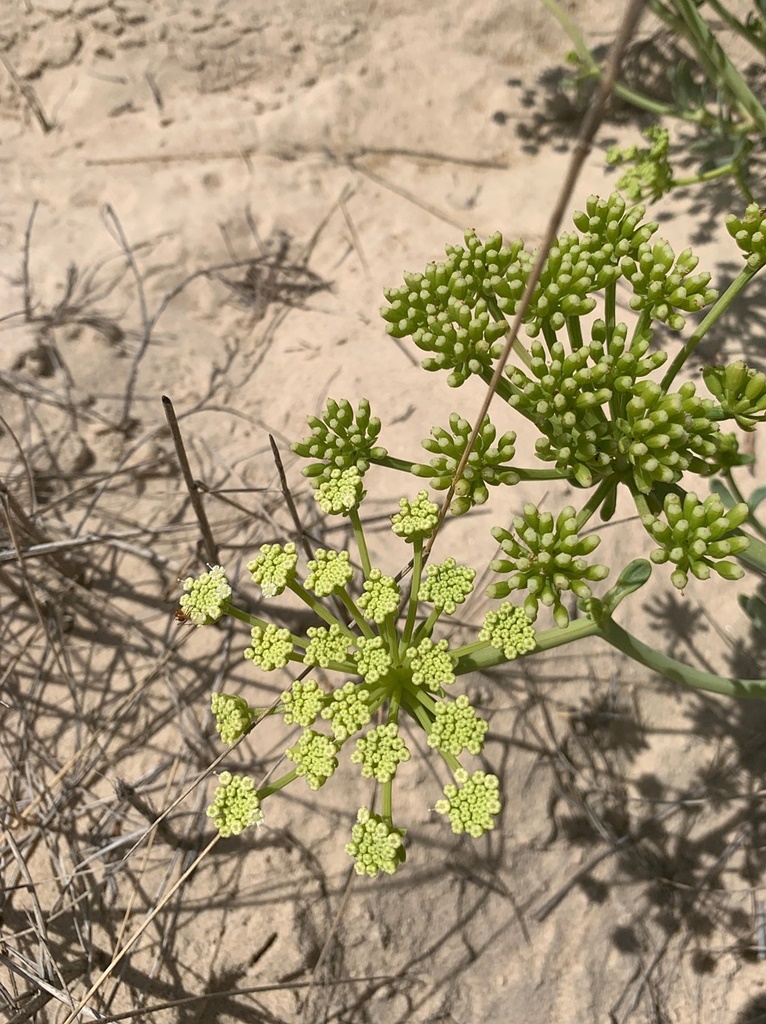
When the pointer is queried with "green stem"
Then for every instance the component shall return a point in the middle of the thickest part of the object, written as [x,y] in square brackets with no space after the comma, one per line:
[574,330]
[393,463]
[716,311]
[751,519]
[355,614]
[417,571]
[280,783]
[426,628]
[308,598]
[388,802]
[481,655]
[675,670]
[361,543]
[595,501]
[504,390]
[253,620]
[610,311]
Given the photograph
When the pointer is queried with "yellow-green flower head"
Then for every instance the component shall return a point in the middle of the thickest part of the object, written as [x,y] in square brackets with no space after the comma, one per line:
[447,585]
[326,646]
[274,568]
[697,534]
[380,752]
[456,728]
[372,658]
[315,757]
[471,806]
[207,596]
[348,710]
[271,647]
[375,845]
[380,598]
[415,520]
[302,702]
[509,629]
[233,716]
[341,492]
[329,572]
[432,665]
[235,804]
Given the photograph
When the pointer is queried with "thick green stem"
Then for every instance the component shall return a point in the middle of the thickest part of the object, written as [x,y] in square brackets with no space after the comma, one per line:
[308,599]
[481,655]
[280,783]
[574,330]
[355,614]
[595,501]
[695,678]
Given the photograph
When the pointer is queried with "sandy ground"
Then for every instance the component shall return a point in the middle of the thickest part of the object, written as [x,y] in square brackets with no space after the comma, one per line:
[270,170]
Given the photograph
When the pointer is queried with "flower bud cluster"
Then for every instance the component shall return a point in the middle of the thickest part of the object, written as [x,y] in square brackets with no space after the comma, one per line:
[302,702]
[445,310]
[510,630]
[415,520]
[270,647]
[340,491]
[380,598]
[432,665]
[663,435]
[326,645]
[487,464]
[380,752]
[274,568]
[235,805]
[375,845]
[471,806]
[740,390]
[348,710]
[315,757]
[372,657]
[663,285]
[695,534]
[545,558]
[341,439]
[749,233]
[457,728]
[446,585]
[328,572]
[233,716]
[206,596]
[651,175]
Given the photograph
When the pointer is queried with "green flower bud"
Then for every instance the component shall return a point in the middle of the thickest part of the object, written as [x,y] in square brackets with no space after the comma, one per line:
[235,804]
[329,572]
[302,702]
[233,716]
[207,596]
[456,728]
[274,568]
[315,757]
[375,845]
[271,647]
[348,710]
[510,630]
[380,752]
[471,806]
[380,598]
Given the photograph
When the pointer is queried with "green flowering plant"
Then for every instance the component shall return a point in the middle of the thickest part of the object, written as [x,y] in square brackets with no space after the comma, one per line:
[610,418]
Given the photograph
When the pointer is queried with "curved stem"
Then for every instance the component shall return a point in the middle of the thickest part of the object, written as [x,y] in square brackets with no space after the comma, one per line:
[479,656]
